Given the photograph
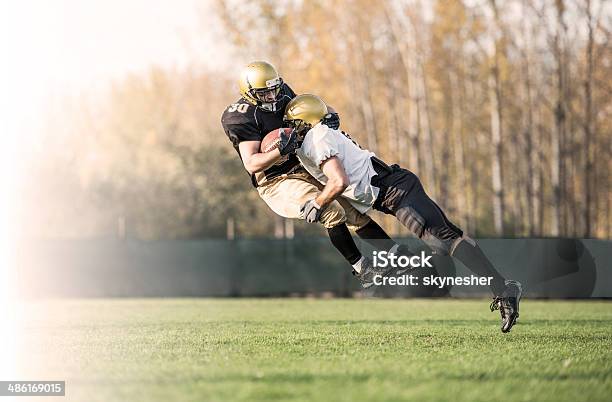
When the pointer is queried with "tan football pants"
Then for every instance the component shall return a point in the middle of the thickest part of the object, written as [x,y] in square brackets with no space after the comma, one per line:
[286,194]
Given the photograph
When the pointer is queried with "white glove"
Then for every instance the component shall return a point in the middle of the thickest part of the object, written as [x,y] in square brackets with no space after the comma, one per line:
[311,211]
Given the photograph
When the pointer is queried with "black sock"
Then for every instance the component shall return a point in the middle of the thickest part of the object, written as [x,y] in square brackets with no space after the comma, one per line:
[376,236]
[468,252]
[344,243]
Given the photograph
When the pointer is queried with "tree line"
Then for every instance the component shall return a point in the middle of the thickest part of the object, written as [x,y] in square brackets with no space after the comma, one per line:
[501,107]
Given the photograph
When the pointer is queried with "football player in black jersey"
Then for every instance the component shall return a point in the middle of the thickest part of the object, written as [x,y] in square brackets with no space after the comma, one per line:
[278,176]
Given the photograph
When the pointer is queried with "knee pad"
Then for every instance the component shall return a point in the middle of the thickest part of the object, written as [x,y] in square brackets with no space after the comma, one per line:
[356,220]
[440,238]
[333,215]
[464,238]
[412,220]
[356,226]
[439,246]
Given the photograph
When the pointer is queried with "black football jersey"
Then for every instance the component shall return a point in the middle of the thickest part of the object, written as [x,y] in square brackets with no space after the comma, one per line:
[243,121]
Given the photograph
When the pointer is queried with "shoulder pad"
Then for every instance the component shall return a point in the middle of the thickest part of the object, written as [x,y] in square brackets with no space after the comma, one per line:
[239,113]
[286,90]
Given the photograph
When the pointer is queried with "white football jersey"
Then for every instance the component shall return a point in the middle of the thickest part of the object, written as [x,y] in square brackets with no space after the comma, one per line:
[321,143]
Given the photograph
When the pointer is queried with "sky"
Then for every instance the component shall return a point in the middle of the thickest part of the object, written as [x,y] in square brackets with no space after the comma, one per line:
[66,46]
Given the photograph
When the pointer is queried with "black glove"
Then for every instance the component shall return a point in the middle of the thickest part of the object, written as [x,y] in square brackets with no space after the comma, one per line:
[288,141]
[332,120]
[311,211]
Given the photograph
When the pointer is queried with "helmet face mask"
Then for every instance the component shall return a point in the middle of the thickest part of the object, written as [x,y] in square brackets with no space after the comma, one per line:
[304,112]
[267,95]
[299,126]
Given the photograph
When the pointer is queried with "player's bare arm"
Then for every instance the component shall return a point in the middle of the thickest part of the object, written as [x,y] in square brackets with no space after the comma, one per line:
[255,161]
[337,181]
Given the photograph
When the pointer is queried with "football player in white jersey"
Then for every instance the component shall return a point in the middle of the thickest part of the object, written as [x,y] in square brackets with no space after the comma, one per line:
[356,174]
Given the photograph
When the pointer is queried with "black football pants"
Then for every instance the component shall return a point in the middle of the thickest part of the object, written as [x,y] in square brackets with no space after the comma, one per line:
[402,195]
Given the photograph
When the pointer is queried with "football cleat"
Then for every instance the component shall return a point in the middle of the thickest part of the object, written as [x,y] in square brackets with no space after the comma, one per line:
[508,304]
[369,271]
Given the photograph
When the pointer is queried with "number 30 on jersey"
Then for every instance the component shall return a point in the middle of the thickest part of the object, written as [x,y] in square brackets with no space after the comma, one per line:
[238,107]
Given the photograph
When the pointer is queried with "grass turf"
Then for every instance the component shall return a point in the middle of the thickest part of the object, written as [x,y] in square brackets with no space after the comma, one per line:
[332,350]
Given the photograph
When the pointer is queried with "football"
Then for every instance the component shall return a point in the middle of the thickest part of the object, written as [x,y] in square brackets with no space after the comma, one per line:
[272,139]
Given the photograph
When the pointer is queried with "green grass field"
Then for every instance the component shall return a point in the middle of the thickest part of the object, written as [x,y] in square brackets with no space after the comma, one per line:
[319,350]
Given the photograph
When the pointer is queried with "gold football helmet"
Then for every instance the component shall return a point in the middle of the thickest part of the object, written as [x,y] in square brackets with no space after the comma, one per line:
[305,111]
[260,84]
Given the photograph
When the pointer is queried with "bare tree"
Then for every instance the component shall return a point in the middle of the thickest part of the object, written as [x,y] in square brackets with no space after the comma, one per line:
[495,99]
[588,120]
